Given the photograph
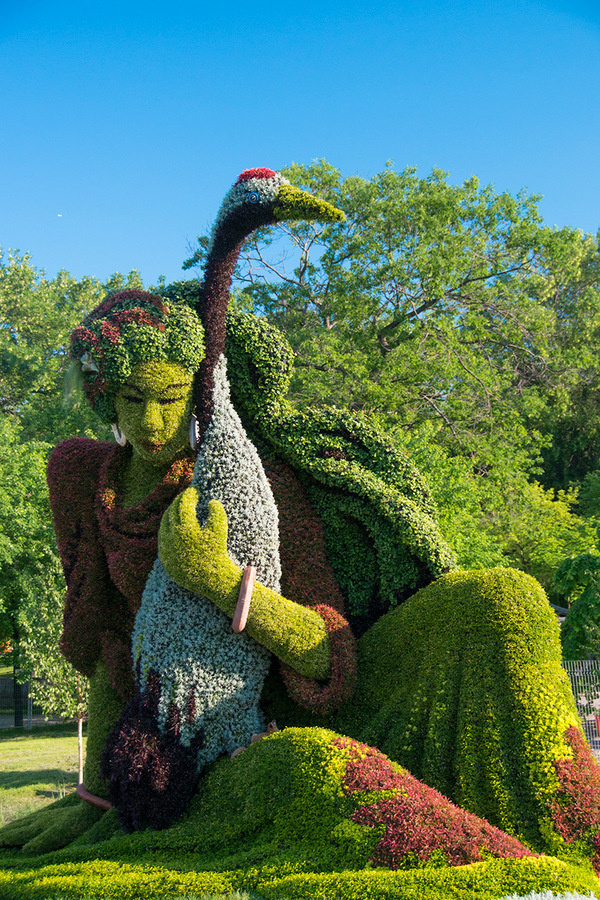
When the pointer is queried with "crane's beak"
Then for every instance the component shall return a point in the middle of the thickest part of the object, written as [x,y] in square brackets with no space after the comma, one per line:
[292,204]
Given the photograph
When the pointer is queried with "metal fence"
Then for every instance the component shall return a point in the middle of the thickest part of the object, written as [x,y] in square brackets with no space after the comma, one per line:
[584,675]
[16,706]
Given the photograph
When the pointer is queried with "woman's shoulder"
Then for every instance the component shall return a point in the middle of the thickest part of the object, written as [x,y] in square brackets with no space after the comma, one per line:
[76,459]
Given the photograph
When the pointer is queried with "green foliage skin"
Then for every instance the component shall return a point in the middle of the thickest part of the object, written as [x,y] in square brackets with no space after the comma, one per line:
[476,707]
[153,407]
[104,708]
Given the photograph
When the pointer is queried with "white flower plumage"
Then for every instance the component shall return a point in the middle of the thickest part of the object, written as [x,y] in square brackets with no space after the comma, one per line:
[185,638]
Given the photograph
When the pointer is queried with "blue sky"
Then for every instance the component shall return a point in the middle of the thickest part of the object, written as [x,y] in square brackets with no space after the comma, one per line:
[124,123]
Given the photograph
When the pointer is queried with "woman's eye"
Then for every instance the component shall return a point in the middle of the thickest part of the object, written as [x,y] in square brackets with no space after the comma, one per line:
[163,401]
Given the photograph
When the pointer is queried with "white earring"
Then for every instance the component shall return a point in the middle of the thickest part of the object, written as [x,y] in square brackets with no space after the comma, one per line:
[119,435]
[194,432]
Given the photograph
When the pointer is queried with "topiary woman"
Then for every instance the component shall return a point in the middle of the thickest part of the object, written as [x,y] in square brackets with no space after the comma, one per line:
[462,682]
[138,356]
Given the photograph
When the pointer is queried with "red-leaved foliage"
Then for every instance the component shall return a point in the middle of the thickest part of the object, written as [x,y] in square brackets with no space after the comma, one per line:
[576,809]
[131,294]
[418,820]
[107,551]
[110,334]
[255,173]
[308,578]
[137,316]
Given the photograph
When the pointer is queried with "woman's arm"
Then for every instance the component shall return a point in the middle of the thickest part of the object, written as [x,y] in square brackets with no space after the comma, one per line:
[196,558]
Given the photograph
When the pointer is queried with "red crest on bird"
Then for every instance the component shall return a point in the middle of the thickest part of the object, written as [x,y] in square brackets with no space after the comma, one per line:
[255,173]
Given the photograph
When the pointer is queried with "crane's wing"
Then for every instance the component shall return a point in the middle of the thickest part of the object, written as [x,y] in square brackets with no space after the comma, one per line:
[381,534]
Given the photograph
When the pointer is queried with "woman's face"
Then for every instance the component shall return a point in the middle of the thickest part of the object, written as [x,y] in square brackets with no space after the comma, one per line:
[153,410]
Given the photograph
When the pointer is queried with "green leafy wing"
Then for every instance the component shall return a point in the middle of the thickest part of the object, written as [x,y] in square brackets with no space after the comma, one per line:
[381,533]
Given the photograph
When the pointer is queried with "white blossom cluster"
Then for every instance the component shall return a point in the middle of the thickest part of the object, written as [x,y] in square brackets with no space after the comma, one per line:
[184,637]
[241,194]
[550,895]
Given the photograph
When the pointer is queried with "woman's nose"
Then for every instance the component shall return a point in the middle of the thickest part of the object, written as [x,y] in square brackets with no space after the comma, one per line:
[152,419]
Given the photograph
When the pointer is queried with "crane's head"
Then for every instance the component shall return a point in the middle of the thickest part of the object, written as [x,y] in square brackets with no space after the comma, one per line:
[258,197]
[264,197]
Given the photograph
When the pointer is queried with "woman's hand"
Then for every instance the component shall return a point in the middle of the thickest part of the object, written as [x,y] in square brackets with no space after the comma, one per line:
[195,557]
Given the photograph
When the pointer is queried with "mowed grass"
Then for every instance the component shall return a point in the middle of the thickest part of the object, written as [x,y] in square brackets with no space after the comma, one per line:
[37,766]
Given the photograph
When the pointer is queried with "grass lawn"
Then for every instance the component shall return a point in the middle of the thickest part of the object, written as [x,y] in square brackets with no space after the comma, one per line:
[37,766]
[6,663]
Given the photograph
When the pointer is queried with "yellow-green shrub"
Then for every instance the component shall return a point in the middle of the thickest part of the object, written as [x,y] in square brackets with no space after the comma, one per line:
[101,880]
[108,881]
[479,881]
[463,685]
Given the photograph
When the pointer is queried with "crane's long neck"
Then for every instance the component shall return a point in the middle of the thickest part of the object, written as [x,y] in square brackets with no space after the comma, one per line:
[212,307]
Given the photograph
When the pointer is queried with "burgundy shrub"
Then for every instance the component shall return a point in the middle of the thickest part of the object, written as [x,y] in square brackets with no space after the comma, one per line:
[418,820]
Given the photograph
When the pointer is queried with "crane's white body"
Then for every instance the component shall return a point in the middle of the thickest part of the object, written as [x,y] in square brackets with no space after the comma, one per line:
[183,637]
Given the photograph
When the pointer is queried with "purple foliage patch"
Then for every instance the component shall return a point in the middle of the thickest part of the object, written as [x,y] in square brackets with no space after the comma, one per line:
[152,776]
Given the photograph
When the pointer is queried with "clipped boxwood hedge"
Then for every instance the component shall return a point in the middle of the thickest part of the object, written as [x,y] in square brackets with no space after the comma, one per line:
[480,881]
[101,880]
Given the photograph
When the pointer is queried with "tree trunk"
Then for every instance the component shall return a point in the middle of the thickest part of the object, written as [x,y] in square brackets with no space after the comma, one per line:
[17,700]
[80,747]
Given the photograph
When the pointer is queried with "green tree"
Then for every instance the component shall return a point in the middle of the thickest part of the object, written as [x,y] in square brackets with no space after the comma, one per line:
[577,584]
[54,685]
[564,404]
[27,546]
[37,315]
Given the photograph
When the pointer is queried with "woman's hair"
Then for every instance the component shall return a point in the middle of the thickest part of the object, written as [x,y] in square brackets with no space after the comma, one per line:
[127,328]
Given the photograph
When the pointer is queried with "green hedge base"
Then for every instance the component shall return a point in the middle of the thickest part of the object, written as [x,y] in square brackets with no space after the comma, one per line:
[112,880]
[275,822]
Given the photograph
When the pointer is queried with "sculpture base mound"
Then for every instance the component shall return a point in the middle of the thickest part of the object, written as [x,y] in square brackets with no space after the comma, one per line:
[302,813]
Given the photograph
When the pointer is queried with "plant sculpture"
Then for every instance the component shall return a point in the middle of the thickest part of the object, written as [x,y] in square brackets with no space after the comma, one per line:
[358,621]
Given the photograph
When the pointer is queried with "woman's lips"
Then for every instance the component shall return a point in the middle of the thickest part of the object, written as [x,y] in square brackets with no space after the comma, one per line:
[152,446]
